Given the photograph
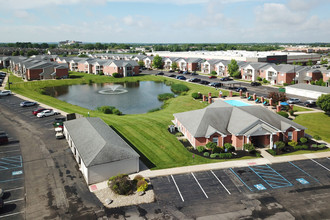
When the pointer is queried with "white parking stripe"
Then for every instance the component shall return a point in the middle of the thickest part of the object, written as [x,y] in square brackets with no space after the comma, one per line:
[16,213]
[220,182]
[177,188]
[321,165]
[8,190]
[199,185]
[2,152]
[15,200]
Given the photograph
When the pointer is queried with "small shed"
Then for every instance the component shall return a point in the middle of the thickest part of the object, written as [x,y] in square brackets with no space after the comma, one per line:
[307,90]
[99,151]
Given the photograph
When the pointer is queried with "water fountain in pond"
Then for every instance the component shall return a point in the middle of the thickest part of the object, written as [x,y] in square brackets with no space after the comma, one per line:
[113,90]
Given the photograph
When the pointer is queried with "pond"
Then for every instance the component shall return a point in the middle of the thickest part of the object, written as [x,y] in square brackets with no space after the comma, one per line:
[129,97]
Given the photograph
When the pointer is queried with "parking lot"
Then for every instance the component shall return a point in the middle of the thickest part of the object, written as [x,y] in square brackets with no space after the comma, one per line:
[217,184]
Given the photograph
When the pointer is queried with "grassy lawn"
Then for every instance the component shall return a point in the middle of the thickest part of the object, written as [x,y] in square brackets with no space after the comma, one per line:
[146,132]
[303,152]
[316,123]
[301,109]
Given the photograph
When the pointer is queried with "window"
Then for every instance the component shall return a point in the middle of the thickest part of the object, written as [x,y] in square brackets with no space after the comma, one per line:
[290,135]
[215,140]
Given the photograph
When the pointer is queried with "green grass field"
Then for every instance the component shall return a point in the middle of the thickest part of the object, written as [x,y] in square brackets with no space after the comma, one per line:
[147,132]
[316,123]
[301,109]
[303,152]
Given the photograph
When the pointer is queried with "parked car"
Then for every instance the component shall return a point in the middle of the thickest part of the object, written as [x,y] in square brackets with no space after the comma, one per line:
[233,87]
[195,80]
[186,72]
[2,74]
[293,100]
[58,122]
[204,82]
[181,77]
[27,103]
[215,84]
[3,138]
[244,89]
[189,80]
[1,193]
[172,75]
[5,92]
[2,204]
[310,103]
[226,79]
[171,71]
[159,74]
[46,113]
[212,77]
[180,71]
[255,84]
[194,74]
[36,111]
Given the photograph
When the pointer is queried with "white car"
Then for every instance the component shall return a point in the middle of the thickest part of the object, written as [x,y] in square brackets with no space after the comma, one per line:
[59,135]
[5,92]
[46,113]
[293,101]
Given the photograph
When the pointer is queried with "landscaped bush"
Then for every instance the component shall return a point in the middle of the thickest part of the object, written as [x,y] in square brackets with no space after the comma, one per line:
[217,150]
[116,75]
[293,143]
[211,145]
[259,78]
[206,154]
[213,72]
[165,96]
[108,110]
[116,112]
[264,80]
[200,149]
[314,146]
[291,112]
[316,137]
[179,88]
[142,185]
[321,146]
[196,95]
[300,147]
[272,152]
[178,134]
[121,184]
[284,114]
[225,156]
[228,146]
[303,140]
[279,145]
[285,84]
[138,177]
[249,147]
[213,156]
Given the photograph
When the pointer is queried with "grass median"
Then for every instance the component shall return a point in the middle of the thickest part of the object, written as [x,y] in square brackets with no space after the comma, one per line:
[146,132]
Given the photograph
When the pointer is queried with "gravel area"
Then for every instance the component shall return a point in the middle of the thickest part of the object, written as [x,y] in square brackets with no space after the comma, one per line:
[119,200]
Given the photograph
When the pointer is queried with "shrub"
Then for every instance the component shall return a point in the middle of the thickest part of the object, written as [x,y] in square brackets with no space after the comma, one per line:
[284,114]
[200,149]
[196,95]
[121,184]
[138,177]
[178,134]
[179,88]
[225,155]
[116,112]
[213,156]
[316,137]
[259,78]
[206,154]
[217,150]
[142,185]
[116,75]
[264,80]
[272,152]
[228,146]
[285,84]
[106,109]
[213,72]
[293,143]
[211,145]
[249,147]
[291,112]
[314,146]
[321,146]
[258,154]
[165,96]
[279,145]
[101,73]
[300,147]
[303,140]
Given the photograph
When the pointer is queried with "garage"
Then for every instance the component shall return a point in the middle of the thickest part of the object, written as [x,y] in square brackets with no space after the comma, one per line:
[99,151]
[307,90]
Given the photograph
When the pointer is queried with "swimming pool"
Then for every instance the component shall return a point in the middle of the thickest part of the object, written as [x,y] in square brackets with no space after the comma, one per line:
[237,103]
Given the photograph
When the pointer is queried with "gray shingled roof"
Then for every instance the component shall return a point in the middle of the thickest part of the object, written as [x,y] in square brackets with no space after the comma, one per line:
[223,118]
[122,63]
[97,143]
[310,87]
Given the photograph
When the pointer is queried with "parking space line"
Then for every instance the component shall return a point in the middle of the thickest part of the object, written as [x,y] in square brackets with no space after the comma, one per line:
[220,182]
[8,190]
[199,185]
[3,152]
[15,200]
[4,181]
[303,171]
[320,165]
[177,188]
[240,179]
[16,213]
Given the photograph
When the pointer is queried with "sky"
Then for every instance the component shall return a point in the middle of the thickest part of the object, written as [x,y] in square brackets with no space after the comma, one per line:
[170,21]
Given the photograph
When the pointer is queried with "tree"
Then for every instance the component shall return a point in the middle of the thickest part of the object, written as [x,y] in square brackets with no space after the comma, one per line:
[157,62]
[32,52]
[233,69]
[141,63]
[174,66]
[324,102]
[277,97]
[82,55]
[324,61]
[15,53]
[310,63]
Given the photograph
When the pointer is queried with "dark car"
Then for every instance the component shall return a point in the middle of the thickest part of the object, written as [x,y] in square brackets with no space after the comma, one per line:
[241,88]
[194,73]
[204,82]
[159,74]
[58,122]
[172,75]
[215,84]
[212,77]
[35,112]
[3,138]
[233,87]
[255,84]
[171,71]
[186,72]
[2,204]
[195,80]
[310,103]
[181,77]
[226,79]
[180,71]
